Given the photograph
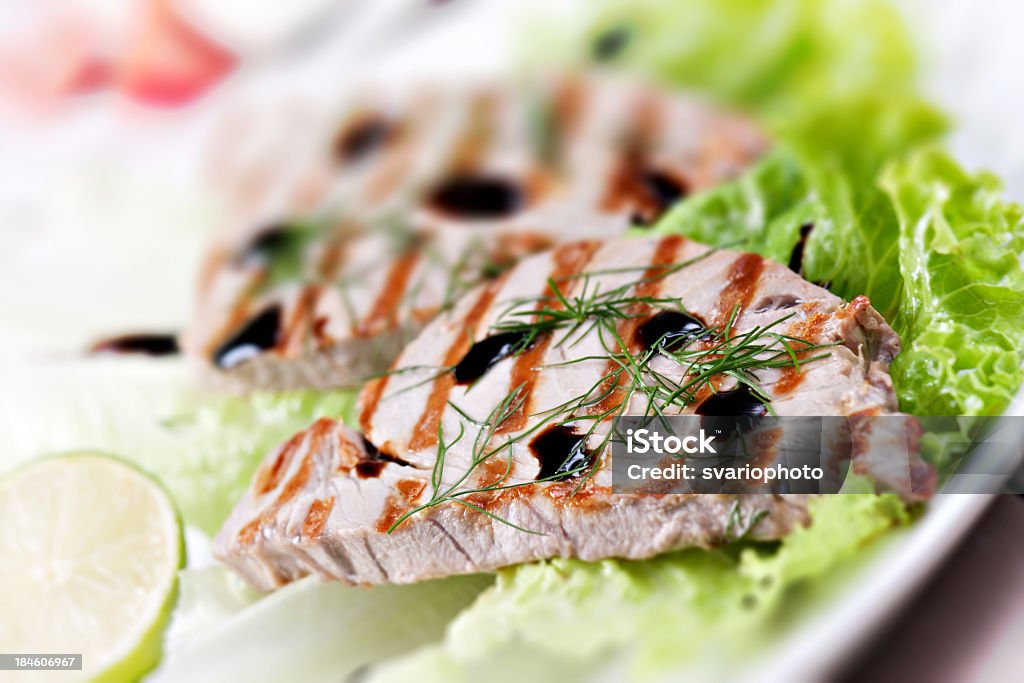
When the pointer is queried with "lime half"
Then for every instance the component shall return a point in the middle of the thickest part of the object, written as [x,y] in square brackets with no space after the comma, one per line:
[91,548]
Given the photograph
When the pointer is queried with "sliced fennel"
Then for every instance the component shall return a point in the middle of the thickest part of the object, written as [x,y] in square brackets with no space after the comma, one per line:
[309,630]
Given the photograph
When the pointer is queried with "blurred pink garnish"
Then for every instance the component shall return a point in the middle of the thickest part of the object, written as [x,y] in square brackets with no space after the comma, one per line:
[167,62]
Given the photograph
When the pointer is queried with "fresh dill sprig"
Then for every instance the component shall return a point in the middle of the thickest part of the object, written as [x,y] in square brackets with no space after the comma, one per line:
[707,358]
[481,452]
[736,528]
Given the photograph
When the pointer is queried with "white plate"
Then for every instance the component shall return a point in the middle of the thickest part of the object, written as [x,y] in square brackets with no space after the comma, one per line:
[815,649]
[838,629]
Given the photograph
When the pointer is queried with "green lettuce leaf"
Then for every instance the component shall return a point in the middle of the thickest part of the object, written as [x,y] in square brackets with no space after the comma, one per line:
[699,609]
[963,288]
[837,77]
[933,247]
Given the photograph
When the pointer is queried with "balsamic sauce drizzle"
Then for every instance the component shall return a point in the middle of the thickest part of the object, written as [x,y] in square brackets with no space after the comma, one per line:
[739,402]
[796,259]
[560,450]
[477,198]
[670,330]
[485,353]
[144,344]
[261,333]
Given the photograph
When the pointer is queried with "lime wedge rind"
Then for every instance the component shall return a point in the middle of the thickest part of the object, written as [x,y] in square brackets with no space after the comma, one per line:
[97,544]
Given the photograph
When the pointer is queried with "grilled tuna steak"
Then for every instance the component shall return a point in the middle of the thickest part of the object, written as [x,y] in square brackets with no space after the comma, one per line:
[434,194]
[518,383]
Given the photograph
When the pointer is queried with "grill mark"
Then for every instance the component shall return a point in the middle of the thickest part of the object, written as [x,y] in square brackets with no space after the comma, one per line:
[468,151]
[385,307]
[349,455]
[269,477]
[488,473]
[566,117]
[370,399]
[247,534]
[234,319]
[810,331]
[334,254]
[424,435]
[315,436]
[510,496]
[301,478]
[789,380]
[240,307]
[665,255]
[301,317]
[740,287]
[211,268]
[391,170]
[294,322]
[320,336]
[316,518]
[642,129]
[648,120]
[411,488]
[396,505]
[569,260]
[393,509]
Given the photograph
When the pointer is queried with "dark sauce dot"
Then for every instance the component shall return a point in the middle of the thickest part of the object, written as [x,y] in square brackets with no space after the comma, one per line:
[560,450]
[670,330]
[611,43]
[359,141]
[257,335]
[656,192]
[796,259]
[740,402]
[144,344]
[663,188]
[730,413]
[477,198]
[485,353]
[375,461]
[369,469]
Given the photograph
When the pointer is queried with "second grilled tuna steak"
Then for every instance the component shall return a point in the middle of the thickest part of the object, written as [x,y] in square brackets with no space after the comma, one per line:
[486,444]
[435,193]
